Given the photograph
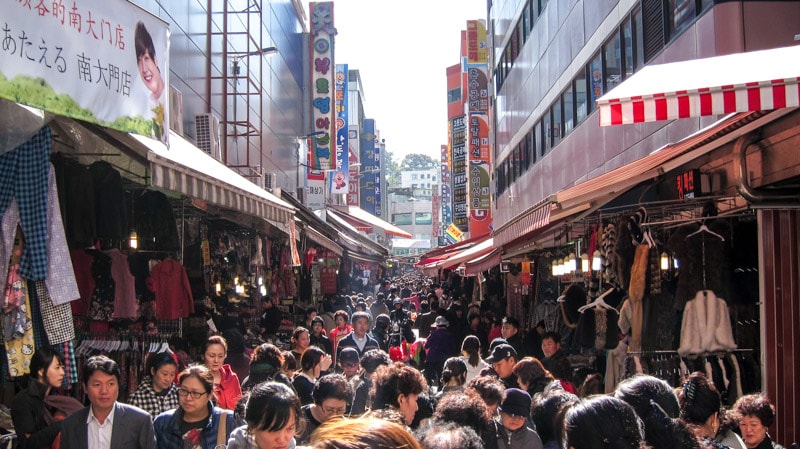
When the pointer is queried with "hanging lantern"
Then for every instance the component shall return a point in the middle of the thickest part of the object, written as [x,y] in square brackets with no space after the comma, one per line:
[554,268]
[585,263]
[133,240]
[664,261]
[597,260]
[572,263]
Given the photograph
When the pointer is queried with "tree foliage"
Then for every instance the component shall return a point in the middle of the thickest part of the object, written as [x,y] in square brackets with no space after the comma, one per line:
[417,161]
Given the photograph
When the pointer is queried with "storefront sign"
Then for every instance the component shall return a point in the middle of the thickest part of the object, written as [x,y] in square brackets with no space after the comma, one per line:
[99,61]
[340,178]
[322,86]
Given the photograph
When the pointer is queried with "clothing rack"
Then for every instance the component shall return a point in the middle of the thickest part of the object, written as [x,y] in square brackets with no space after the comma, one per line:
[675,351]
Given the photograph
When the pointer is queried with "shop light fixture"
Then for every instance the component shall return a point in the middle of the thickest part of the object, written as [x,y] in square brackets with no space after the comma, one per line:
[218,287]
[597,260]
[554,267]
[261,280]
[664,261]
[263,290]
[133,240]
[572,263]
[585,266]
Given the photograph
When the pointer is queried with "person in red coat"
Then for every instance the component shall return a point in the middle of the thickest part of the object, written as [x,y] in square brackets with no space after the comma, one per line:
[227,389]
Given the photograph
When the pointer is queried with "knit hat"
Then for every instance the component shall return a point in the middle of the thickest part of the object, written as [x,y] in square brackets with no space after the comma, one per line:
[516,402]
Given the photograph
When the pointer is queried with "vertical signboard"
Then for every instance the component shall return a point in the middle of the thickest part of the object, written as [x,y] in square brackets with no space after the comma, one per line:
[477,93]
[352,149]
[323,118]
[366,184]
[377,176]
[98,61]
[435,207]
[341,175]
[459,173]
[447,190]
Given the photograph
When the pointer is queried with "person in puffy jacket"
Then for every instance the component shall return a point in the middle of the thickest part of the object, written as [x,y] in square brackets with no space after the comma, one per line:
[196,422]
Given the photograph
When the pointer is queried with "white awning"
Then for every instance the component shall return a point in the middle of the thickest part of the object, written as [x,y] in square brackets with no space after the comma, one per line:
[186,169]
[741,82]
[364,217]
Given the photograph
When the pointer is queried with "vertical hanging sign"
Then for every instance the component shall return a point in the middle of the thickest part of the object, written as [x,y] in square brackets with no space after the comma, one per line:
[478,151]
[340,178]
[323,118]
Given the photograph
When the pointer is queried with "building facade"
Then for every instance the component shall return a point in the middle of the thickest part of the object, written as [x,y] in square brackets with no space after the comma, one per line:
[558,174]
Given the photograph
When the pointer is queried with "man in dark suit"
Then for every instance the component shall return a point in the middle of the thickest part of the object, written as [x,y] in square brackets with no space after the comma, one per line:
[106,423]
[360,337]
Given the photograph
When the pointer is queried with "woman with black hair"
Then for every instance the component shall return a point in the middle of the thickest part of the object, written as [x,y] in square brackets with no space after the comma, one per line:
[273,419]
[454,375]
[157,392]
[471,355]
[655,402]
[701,409]
[312,363]
[603,422]
[36,423]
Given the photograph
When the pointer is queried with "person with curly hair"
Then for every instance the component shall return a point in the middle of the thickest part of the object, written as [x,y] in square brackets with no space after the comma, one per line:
[397,387]
[533,377]
[755,414]
[332,394]
[490,390]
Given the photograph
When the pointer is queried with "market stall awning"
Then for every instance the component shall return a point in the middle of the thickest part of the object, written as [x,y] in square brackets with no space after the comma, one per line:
[473,252]
[445,251]
[536,217]
[483,263]
[317,237]
[741,82]
[362,219]
[186,169]
[350,236]
[596,192]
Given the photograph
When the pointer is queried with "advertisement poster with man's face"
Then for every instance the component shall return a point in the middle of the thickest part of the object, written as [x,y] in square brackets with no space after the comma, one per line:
[99,61]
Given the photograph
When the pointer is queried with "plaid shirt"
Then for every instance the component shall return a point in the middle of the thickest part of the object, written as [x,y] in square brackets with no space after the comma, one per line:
[23,175]
[148,400]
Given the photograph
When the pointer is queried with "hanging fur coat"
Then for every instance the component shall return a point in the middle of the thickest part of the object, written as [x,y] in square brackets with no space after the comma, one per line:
[636,290]
[706,325]
[597,329]
[694,273]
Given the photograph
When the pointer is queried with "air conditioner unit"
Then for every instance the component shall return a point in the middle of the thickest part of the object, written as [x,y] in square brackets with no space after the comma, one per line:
[207,129]
[175,110]
[270,181]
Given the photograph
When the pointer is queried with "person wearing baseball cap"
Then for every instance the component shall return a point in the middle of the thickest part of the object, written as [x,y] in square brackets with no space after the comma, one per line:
[512,428]
[440,345]
[503,358]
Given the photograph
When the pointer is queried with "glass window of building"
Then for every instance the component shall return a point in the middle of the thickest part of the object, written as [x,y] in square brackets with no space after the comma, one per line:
[627,41]
[638,40]
[558,122]
[596,79]
[547,132]
[538,147]
[402,219]
[454,95]
[568,105]
[581,99]
[682,13]
[423,218]
[526,23]
[613,63]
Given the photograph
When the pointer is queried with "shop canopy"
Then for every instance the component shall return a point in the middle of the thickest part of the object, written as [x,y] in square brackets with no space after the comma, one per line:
[455,259]
[350,237]
[741,82]
[570,203]
[186,169]
[365,221]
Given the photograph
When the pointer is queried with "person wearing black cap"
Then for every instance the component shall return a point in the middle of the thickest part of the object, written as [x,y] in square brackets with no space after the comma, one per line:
[349,362]
[439,346]
[511,427]
[503,359]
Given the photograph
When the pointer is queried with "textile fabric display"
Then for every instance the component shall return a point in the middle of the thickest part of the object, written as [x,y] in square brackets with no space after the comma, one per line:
[17,322]
[598,329]
[109,199]
[636,290]
[514,306]
[706,325]
[76,188]
[23,176]
[155,222]
[703,261]
[124,282]
[170,284]
[608,252]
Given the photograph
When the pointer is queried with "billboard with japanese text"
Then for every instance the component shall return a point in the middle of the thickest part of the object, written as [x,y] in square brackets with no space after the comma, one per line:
[99,61]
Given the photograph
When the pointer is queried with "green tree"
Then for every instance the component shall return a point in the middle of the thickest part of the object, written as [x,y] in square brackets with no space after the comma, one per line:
[417,161]
[392,170]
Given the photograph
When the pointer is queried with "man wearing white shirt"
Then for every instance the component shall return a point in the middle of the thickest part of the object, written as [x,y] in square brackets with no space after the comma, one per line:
[106,423]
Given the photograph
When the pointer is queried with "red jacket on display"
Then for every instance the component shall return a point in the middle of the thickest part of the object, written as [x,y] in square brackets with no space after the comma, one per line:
[170,284]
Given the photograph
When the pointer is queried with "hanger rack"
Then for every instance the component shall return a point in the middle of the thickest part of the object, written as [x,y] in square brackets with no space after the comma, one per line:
[598,302]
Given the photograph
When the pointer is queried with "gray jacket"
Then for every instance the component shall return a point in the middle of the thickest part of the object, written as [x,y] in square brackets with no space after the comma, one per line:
[240,440]
[522,438]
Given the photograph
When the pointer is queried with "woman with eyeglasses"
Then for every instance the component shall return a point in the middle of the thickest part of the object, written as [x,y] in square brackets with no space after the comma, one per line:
[273,419]
[157,392]
[196,423]
[332,395]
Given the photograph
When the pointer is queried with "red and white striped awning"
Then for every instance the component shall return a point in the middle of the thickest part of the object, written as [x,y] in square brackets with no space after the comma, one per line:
[536,217]
[741,82]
